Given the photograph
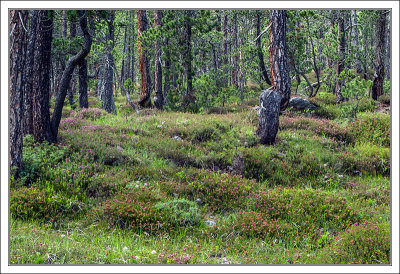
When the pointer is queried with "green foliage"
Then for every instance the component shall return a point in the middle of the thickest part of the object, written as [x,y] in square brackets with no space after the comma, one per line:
[365,243]
[46,204]
[384,99]
[372,128]
[180,212]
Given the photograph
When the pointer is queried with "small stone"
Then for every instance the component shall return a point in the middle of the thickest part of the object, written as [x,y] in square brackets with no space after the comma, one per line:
[177,138]
[357,172]
[211,223]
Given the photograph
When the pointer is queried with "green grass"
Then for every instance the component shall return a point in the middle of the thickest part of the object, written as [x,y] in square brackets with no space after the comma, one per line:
[182,188]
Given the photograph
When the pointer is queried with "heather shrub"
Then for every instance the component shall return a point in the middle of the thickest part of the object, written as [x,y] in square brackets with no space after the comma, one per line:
[89,113]
[319,126]
[34,203]
[179,212]
[220,192]
[305,207]
[372,128]
[384,99]
[364,243]
[324,98]
[132,209]
[38,157]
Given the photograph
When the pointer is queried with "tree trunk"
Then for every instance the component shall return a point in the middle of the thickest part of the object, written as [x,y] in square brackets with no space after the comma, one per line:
[354,34]
[159,98]
[235,46]
[145,95]
[387,46]
[72,87]
[340,62]
[83,84]
[41,79]
[67,75]
[268,123]
[260,54]
[108,98]
[225,45]
[379,75]
[18,20]
[280,78]
[122,79]
[28,74]
[189,98]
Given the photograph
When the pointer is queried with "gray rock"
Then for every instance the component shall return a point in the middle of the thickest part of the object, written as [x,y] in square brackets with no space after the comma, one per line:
[177,138]
[299,103]
[211,223]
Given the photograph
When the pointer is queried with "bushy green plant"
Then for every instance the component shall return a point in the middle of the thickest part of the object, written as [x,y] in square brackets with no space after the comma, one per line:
[220,192]
[365,243]
[179,212]
[355,89]
[373,128]
[384,99]
[35,203]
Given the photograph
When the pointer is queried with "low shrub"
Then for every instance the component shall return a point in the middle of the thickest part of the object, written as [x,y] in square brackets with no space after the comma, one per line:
[35,203]
[179,212]
[372,128]
[133,209]
[365,243]
[220,192]
[384,99]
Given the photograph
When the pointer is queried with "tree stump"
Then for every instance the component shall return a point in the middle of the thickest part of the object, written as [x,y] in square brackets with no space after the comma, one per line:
[268,113]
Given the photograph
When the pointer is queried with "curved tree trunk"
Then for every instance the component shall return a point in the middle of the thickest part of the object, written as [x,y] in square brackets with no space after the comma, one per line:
[41,79]
[145,99]
[159,98]
[17,54]
[377,88]
[67,75]
[260,54]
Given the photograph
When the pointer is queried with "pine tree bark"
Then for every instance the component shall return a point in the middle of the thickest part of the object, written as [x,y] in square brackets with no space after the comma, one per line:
[17,59]
[83,84]
[28,74]
[379,75]
[260,54]
[41,79]
[280,78]
[225,48]
[190,98]
[388,47]
[108,98]
[354,34]
[67,75]
[145,95]
[235,46]
[340,61]
[72,88]
[276,98]
[159,98]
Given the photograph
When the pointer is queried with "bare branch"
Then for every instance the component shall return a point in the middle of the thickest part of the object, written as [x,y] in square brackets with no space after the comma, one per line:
[264,31]
[22,22]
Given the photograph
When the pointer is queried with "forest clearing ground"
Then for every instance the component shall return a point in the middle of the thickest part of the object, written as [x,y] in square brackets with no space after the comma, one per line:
[172,187]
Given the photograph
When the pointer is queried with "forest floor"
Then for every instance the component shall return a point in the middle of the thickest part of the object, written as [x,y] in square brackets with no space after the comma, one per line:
[182,188]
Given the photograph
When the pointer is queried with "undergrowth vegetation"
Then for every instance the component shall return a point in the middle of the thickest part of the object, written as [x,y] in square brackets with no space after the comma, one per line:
[184,188]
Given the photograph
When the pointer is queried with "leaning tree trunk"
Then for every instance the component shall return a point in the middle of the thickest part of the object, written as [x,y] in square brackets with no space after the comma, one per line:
[67,75]
[276,98]
[17,55]
[379,75]
[340,61]
[72,88]
[41,79]
[145,99]
[108,99]
[159,98]
[260,54]
[28,74]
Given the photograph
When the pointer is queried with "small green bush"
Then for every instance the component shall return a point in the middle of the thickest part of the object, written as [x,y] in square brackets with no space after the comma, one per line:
[365,243]
[34,203]
[372,128]
[220,192]
[384,99]
[180,212]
